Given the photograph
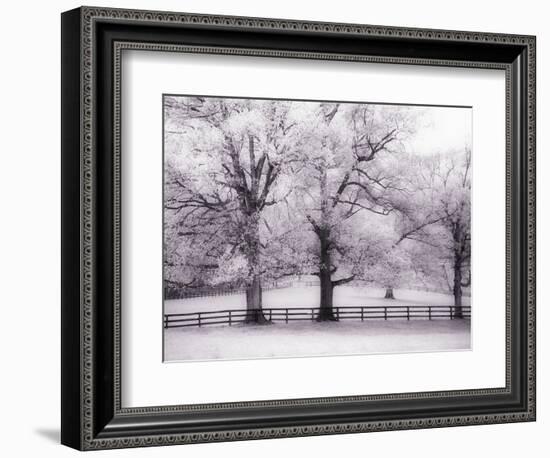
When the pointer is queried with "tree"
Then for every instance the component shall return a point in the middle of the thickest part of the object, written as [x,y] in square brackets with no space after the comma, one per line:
[455,206]
[349,152]
[237,150]
[393,268]
[412,222]
[442,221]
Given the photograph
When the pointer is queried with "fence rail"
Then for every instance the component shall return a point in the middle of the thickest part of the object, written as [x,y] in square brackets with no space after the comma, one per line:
[286,314]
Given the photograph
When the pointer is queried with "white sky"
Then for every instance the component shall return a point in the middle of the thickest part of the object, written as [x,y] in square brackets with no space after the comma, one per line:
[440,130]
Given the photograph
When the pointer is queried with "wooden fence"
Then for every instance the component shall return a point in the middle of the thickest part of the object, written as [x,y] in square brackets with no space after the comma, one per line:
[171,292]
[358,313]
[189,293]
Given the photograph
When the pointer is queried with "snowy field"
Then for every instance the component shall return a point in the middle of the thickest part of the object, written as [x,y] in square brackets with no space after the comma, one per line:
[297,339]
[309,297]
[315,339]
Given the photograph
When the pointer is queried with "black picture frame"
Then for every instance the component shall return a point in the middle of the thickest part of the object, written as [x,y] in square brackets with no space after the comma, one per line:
[92,416]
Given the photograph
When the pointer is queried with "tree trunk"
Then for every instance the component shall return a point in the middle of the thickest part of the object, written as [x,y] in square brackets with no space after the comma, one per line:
[254,313]
[457,286]
[457,292]
[389,293]
[325,305]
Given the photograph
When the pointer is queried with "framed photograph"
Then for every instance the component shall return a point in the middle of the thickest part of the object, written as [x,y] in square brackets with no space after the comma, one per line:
[276,228]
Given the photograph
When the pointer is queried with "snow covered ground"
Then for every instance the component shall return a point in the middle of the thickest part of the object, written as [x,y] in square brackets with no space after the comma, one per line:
[311,338]
[309,297]
[314,339]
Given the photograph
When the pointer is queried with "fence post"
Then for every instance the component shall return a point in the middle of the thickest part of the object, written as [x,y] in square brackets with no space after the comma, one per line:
[286,316]
[408,314]
[430,312]
[386,313]
[270,310]
[229,317]
[312,314]
[199,320]
[451,312]
[338,313]
[362,314]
